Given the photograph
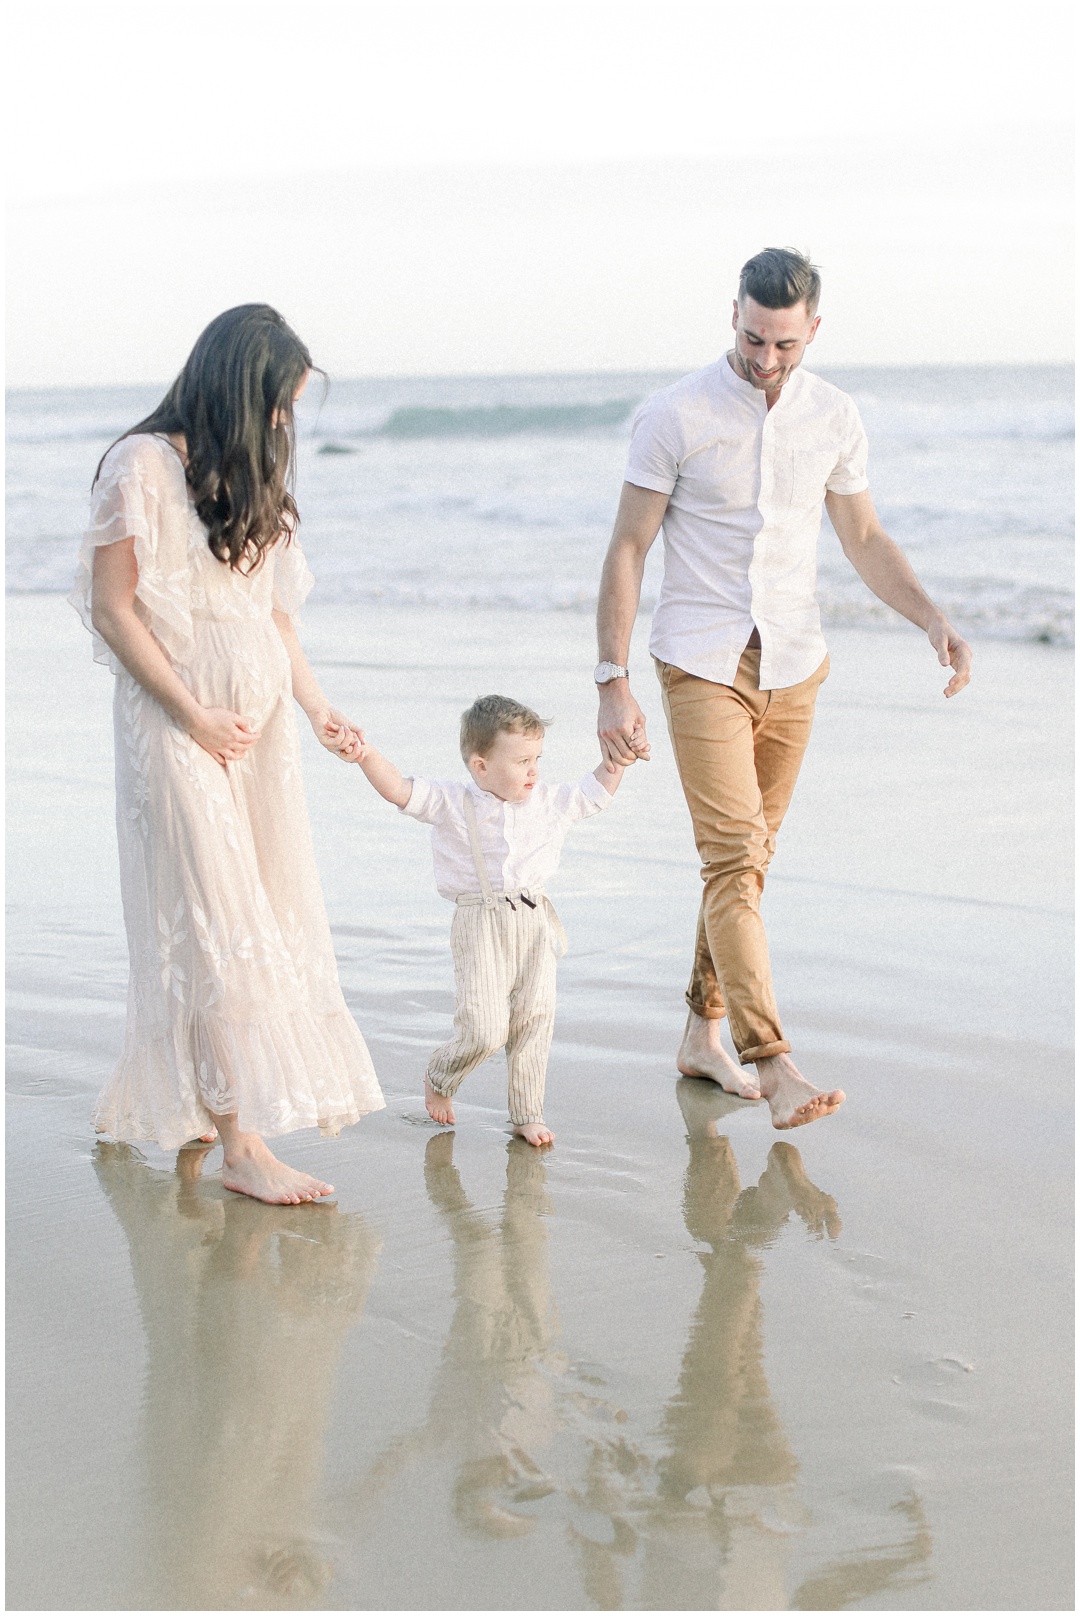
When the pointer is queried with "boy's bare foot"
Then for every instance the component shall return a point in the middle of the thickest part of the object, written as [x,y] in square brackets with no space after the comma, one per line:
[534,1133]
[702,1054]
[251,1169]
[440,1109]
[792,1100]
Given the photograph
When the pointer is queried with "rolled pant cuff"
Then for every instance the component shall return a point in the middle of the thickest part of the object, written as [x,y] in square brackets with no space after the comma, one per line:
[757,1052]
[707,1012]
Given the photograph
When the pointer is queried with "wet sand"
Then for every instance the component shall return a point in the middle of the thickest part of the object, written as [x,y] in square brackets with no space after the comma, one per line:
[677,1362]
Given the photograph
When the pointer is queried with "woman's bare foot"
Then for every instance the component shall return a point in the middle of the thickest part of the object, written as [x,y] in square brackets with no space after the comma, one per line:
[440,1109]
[534,1133]
[210,1138]
[702,1054]
[792,1100]
[250,1168]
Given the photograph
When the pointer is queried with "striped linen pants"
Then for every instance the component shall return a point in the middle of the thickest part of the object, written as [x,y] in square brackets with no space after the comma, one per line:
[504,973]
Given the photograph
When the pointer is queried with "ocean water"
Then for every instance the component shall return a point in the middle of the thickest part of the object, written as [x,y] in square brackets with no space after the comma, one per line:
[480,492]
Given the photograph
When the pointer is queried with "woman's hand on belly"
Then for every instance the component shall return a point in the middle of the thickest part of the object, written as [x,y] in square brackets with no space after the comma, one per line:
[226,735]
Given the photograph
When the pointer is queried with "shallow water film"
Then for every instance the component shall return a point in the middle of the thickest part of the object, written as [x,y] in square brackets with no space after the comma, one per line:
[678,1361]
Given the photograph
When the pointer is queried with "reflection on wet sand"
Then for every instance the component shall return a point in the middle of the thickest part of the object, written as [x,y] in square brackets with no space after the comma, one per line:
[245,1309]
[719,1511]
[702,1515]
[492,1406]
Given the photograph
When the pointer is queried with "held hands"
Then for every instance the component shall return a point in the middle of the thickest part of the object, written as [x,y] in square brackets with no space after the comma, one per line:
[952,652]
[226,735]
[621,727]
[335,732]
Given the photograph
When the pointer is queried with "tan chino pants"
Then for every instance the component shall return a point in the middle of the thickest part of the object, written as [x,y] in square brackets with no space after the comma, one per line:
[738,750]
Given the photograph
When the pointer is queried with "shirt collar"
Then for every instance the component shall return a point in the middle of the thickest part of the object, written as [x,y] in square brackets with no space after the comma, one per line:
[750,393]
[487,796]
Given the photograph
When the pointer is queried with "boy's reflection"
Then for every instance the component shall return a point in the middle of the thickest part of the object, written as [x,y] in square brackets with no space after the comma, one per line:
[492,1406]
[245,1309]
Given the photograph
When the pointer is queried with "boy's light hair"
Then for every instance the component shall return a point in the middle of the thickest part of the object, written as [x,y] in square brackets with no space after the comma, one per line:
[490,716]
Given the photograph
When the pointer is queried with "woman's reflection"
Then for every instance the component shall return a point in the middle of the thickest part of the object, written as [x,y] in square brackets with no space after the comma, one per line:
[245,1309]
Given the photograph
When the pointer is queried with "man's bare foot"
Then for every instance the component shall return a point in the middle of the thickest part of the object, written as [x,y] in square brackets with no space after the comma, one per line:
[534,1133]
[703,1108]
[792,1100]
[702,1054]
[817,1209]
[440,1109]
[251,1169]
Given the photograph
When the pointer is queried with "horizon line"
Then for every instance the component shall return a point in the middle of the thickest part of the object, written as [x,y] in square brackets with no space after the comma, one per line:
[581,375]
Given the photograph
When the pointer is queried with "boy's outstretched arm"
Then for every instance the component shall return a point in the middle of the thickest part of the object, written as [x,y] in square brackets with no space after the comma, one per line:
[385,776]
[610,774]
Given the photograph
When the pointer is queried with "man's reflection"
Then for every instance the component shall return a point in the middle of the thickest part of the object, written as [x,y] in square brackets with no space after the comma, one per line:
[245,1309]
[717,1511]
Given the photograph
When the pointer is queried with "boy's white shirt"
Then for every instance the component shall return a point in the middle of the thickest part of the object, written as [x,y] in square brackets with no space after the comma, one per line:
[521,841]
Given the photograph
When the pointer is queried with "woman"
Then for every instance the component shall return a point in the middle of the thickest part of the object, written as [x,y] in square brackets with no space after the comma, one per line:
[190,575]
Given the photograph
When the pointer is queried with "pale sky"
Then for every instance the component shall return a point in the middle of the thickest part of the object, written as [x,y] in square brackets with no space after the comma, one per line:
[429,188]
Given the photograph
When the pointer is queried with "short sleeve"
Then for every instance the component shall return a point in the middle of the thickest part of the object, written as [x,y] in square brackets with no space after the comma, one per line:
[848,476]
[293,580]
[653,460]
[588,797]
[141,494]
[429,801]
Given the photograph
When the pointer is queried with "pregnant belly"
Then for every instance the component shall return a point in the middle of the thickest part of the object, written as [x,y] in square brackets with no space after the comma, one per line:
[240,665]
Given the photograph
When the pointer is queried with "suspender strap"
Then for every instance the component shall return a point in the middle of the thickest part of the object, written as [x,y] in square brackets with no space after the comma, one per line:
[477,854]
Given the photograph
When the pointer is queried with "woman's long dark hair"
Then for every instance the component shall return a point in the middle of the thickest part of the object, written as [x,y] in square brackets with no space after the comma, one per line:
[233,402]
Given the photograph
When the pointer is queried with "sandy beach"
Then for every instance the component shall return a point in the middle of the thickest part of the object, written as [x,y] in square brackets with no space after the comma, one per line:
[679,1361]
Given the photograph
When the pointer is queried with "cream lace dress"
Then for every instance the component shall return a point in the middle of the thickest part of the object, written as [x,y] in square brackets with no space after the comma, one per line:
[234,1003]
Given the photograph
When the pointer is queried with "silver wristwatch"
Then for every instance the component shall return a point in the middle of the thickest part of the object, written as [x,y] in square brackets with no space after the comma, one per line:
[606,671]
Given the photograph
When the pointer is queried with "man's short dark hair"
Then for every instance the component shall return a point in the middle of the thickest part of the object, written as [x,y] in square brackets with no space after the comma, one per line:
[779,278]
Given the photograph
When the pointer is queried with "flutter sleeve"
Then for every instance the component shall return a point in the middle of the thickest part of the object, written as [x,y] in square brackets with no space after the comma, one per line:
[141,494]
[293,580]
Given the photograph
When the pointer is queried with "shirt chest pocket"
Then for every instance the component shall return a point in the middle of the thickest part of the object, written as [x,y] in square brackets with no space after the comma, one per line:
[806,472]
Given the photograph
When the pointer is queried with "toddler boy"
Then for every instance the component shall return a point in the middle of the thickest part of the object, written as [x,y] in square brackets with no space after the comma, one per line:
[495,841]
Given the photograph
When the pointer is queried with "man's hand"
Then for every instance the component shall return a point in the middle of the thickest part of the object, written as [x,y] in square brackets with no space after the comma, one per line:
[885,569]
[621,726]
[952,652]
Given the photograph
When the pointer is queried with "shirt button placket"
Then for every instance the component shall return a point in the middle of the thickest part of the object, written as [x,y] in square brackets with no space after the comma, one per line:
[767,491]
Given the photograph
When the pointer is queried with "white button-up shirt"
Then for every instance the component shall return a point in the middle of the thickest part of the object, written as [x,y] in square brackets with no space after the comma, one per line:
[520,841]
[746,486]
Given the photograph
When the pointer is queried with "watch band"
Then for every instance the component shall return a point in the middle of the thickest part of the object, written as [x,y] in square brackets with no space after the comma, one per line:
[604,672]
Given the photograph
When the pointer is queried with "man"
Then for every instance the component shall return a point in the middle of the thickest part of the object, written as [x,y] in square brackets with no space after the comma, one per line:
[734,462]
